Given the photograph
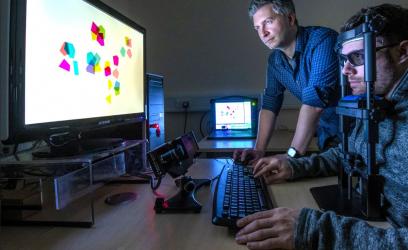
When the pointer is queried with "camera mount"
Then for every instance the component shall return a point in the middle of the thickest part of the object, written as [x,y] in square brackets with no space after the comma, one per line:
[175,158]
[184,200]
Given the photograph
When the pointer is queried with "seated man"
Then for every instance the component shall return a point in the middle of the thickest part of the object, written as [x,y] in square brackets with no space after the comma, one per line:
[311,229]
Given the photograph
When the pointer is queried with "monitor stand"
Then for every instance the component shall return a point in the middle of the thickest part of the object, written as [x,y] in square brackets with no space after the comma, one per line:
[184,201]
[78,147]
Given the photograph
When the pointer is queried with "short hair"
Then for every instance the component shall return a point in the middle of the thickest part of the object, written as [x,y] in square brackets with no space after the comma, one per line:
[392,21]
[283,7]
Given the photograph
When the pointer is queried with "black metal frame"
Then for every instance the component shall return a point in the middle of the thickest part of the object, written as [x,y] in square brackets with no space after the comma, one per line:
[365,201]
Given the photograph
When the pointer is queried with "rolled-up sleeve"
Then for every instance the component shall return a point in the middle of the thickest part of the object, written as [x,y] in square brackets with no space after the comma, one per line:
[272,98]
[323,87]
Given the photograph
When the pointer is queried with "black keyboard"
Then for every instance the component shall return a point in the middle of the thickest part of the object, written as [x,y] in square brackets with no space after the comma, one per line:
[237,195]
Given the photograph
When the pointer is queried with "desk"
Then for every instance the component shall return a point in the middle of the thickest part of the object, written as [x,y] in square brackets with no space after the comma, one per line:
[136,226]
[279,143]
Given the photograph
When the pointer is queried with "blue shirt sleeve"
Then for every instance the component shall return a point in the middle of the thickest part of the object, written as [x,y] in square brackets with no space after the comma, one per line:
[322,90]
[272,97]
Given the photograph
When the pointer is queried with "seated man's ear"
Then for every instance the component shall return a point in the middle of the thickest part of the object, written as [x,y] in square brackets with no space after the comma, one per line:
[403,49]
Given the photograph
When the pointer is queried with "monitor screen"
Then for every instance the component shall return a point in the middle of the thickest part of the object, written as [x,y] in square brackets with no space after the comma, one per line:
[233,115]
[82,66]
[80,63]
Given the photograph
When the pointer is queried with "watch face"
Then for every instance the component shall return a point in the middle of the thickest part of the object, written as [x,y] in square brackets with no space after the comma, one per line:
[292,152]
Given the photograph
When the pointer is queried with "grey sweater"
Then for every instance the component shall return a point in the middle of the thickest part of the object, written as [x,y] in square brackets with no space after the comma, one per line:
[318,230]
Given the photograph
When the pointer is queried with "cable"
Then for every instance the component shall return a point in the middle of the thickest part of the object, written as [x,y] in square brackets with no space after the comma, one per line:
[201,123]
[185,105]
[155,186]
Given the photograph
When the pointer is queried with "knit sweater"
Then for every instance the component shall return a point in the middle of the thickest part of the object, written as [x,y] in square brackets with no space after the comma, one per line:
[318,230]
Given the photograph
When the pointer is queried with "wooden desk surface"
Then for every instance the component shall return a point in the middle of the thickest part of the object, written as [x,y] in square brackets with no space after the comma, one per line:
[136,226]
[280,142]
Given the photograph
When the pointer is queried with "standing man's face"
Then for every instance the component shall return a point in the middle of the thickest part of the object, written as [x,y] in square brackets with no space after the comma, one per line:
[273,28]
[385,67]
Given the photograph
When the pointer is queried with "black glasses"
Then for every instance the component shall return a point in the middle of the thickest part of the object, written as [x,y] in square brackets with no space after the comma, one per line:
[356,58]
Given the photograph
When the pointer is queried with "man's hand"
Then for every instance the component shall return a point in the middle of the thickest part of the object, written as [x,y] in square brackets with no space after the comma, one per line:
[268,229]
[252,154]
[274,169]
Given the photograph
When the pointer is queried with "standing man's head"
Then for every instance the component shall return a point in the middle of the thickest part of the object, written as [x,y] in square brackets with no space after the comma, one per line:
[275,21]
[391,48]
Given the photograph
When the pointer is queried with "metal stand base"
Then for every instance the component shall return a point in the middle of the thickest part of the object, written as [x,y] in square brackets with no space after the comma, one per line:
[329,198]
[182,202]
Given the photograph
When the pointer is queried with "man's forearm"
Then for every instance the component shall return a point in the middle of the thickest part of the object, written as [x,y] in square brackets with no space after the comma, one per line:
[266,125]
[306,127]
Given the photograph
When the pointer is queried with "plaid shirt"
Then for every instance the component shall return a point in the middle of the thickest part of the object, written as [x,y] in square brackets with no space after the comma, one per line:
[313,80]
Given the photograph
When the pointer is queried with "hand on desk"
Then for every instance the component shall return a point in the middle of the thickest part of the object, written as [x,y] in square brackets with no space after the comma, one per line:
[268,229]
[249,156]
[274,169]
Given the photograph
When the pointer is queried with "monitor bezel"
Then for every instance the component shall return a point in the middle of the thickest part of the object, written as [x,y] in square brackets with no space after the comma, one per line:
[20,132]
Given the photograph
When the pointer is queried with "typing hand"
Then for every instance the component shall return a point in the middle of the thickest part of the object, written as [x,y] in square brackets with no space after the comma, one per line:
[274,169]
[248,156]
[271,229]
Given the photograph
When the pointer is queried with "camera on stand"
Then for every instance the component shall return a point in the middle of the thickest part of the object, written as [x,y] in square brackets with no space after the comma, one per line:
[175,158]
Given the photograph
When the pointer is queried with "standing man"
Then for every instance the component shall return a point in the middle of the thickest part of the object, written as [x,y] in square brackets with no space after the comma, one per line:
[287,228]
[304,62]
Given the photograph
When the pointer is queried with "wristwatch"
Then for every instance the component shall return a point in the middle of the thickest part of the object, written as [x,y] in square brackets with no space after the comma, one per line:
[293,153]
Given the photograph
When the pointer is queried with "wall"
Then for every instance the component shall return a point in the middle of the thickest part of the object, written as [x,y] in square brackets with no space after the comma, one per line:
[207,49]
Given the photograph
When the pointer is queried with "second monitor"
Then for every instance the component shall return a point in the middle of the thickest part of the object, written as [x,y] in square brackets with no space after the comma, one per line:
[234,117]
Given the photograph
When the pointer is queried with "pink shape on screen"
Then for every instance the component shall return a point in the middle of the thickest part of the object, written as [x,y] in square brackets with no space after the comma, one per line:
[129,53]
[65,65]
[116,73]
[107,71]
[116,60]
[100,40]
[94,28]
[63,49]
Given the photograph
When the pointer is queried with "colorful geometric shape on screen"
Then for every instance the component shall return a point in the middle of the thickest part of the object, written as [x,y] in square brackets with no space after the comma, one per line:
[100,40]
[107,71]
[70,49]
[110,84]
[109,99]
[107,68]
[93,62]
[91,59]
[65,65]
[117,88]
[129,53]
[116,73]
[62,50]
[116,60]
[98,33]
[94,28]
[123,52]
[91,69]
[76,70]
[128,42]
[98,68]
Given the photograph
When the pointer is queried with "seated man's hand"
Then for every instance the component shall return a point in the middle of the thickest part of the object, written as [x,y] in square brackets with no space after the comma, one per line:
[274,169]
[272,229]
[250,155]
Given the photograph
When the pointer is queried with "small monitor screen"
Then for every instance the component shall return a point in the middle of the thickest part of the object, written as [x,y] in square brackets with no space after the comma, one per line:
[233,115]
[80,63]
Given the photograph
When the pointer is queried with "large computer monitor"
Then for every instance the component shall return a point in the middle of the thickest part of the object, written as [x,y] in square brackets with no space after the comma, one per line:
[68,67]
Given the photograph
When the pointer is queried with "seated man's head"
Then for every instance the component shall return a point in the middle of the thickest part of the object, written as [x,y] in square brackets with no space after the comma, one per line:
[275,22]
[391,49]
